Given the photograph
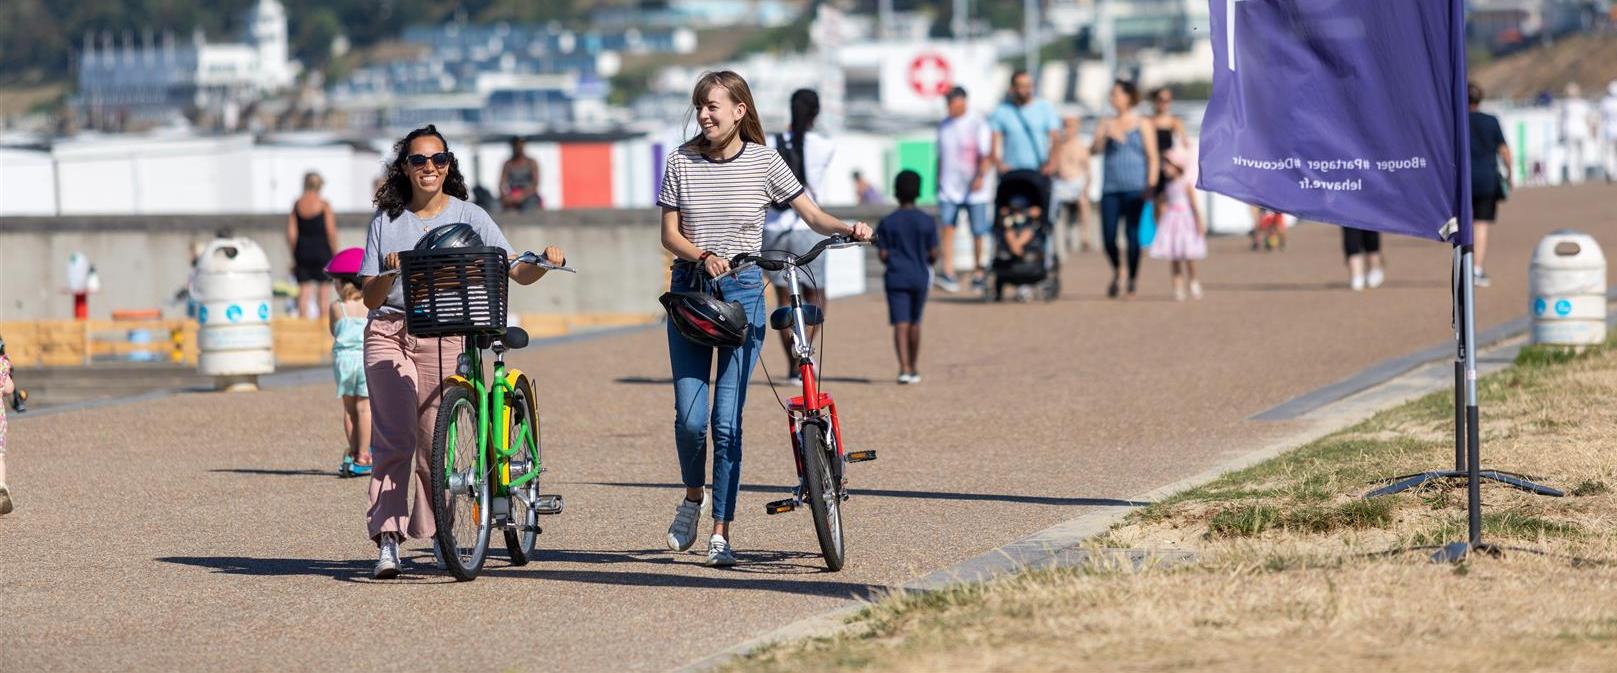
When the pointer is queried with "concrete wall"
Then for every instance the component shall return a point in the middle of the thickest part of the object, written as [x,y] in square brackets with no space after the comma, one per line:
[144,260]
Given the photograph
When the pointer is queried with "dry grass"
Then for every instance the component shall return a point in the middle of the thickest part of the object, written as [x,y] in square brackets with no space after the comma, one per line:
[1298,573]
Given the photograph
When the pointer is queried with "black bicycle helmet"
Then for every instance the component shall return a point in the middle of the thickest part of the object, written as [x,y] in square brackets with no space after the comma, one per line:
[705,319]
[457,235]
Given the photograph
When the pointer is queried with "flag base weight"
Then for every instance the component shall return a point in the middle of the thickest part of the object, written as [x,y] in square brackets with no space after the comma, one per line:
[1511,479]
[1458,552]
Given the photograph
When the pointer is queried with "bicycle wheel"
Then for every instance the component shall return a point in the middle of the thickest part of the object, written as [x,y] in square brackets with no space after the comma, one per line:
[460,487]
[824,500]
[521,536]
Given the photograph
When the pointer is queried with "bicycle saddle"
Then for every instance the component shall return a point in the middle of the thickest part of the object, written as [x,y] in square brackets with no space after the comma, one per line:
[515,338]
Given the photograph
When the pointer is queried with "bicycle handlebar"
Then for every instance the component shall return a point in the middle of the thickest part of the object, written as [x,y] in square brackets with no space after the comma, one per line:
[745,261]
[541,262]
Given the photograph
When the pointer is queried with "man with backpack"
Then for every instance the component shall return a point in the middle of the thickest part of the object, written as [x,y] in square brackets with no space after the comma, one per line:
[808,154]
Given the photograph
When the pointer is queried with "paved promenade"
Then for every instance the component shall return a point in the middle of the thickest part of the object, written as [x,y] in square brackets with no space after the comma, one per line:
[207,531]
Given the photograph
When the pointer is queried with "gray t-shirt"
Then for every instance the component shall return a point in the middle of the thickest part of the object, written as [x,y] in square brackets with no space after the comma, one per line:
[399,234]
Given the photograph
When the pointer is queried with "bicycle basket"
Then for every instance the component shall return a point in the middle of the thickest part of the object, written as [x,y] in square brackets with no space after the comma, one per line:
[454,291]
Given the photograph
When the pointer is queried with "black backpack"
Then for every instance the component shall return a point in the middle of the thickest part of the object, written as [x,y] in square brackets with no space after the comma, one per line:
[794,160]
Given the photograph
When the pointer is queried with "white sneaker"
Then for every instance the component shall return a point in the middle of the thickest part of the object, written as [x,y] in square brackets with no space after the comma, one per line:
[915,378]
[1376,278]
[719,554]
[904,379]
[387,558]
[682,532]
[1195,289]
[1357,283]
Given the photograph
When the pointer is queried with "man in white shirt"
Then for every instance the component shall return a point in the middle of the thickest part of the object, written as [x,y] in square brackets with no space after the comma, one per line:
[1577,129]
[965,155]
[1608,130]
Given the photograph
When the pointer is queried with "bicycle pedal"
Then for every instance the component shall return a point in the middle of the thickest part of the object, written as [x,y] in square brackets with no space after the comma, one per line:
[780,506]
[861,456]
[549,504]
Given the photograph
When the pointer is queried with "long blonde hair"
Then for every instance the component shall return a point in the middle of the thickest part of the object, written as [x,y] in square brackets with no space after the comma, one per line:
[749,127]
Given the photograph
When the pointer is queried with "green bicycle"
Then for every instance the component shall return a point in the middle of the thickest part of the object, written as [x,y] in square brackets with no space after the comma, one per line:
[486,442]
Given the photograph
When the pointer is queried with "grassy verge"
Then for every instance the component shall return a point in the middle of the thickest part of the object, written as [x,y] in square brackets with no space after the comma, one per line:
[1298,572]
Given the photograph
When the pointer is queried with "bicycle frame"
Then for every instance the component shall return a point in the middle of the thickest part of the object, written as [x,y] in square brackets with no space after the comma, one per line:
[498,447]
[814,405]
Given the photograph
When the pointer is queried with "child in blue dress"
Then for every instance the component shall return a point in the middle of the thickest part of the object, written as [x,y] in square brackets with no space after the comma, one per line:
[347,317]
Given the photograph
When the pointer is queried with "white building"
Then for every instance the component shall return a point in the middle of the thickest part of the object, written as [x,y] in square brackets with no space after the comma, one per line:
[158,81]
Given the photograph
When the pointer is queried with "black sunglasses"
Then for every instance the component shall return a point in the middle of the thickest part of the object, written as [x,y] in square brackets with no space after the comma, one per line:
[440,159]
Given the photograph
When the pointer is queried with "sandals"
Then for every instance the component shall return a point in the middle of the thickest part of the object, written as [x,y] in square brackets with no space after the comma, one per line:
[349,468]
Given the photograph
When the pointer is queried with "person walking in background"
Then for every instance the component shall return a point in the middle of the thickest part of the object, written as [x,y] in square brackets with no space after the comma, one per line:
[1181,230]
[869,194]
[1129,172]
[1170,133]
[1026,131]
[1362,248]
[808,154]
[1608,131]
[346,318]
[715,189]
[1072,184]
[311,233]
[965,155]
[908,243]
[1488,185]
[1577,124]
[519,179]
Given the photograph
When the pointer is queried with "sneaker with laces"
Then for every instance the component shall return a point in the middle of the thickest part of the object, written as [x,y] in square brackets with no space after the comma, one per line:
[387,557]
[719,554]
[1375,279]
[682,532]
[947,282]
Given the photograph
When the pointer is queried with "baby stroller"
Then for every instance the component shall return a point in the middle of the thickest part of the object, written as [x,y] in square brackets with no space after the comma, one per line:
[1022,222]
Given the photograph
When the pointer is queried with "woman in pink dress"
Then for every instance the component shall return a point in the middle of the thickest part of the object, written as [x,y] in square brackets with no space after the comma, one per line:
[1181,231]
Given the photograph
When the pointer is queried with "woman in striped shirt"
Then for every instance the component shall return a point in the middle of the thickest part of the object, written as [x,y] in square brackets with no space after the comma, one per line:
[715,190]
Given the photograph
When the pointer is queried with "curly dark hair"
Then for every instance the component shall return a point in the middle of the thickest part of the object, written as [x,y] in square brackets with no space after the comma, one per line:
[394,194]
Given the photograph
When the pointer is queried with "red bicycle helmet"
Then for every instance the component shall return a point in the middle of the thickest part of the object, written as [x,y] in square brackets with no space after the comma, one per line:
[346,262]
[705,319]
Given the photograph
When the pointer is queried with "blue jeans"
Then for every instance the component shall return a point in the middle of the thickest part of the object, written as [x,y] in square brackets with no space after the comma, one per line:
[692,416]
[976,215]
[1125,206]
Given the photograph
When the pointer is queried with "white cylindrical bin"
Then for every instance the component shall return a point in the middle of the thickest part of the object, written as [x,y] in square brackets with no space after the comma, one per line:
[233,286]
[1567,290]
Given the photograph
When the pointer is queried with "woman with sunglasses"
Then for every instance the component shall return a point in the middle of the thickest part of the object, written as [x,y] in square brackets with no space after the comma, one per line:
[423,188]
[715,190]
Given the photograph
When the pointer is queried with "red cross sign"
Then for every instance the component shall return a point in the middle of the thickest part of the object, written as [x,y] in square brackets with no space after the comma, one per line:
[929,75]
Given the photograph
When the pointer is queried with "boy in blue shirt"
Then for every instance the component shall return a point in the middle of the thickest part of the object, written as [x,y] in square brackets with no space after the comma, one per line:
[908,241]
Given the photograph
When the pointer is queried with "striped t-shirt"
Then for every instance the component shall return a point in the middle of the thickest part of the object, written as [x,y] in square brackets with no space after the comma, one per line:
[721,203]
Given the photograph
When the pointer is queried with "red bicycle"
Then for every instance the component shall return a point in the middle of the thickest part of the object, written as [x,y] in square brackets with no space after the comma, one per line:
[812,417]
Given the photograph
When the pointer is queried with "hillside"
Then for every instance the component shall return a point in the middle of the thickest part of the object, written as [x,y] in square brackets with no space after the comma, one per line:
[1589,59]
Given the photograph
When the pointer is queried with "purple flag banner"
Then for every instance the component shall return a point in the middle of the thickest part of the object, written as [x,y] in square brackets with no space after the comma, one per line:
[1351,112]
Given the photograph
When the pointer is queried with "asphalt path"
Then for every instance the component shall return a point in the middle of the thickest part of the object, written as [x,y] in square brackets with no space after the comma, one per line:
[207,531]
